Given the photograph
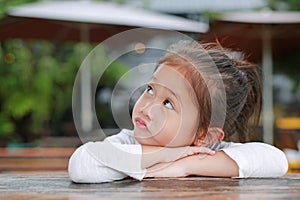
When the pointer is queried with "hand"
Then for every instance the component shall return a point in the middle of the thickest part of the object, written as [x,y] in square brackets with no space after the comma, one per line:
[194,165]
[153,154]
[175,169]
[173,154]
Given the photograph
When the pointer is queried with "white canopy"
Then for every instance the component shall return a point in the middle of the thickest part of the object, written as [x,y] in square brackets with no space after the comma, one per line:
[263,17]
[106,13]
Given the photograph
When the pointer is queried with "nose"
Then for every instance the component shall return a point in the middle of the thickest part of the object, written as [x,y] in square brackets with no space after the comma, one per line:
[146,109]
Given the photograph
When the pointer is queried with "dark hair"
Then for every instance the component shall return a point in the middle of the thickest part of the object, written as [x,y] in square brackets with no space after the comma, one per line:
[240,79]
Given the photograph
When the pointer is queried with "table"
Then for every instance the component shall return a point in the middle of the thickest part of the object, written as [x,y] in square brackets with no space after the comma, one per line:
[57,186]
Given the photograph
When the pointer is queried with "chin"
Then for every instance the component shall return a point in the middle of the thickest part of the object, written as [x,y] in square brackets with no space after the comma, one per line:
[139,136]
[144,142]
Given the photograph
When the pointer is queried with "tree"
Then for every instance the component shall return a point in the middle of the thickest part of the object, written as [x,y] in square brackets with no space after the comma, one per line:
[292,5]
[37,79]
[6,4]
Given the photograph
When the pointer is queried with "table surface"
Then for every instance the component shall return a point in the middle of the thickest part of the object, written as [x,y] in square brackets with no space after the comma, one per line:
[57,186]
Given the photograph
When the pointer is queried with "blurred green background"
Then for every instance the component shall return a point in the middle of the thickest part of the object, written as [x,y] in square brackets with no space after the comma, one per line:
[37,77]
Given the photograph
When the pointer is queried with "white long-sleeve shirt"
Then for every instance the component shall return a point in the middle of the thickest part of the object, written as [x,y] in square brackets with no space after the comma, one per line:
[120,155]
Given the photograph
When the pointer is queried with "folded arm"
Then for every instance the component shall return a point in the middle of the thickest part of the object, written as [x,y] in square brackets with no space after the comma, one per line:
[257,159]
[84,168]
[115,158]
[218,165]
[152,155]
[97,162]
[242,160]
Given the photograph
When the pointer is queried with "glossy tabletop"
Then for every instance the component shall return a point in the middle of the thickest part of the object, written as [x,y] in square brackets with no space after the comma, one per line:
[57,186]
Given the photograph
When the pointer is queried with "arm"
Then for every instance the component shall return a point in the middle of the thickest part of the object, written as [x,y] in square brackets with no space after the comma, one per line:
[97,162]
[237,160]
[114,158]
[258,159]
[83,168]
[154,154]
[218,165]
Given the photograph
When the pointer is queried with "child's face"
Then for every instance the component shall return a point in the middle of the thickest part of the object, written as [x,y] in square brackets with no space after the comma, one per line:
[166,114]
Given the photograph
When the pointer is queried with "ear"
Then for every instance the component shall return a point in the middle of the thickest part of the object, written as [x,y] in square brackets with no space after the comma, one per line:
[212,136]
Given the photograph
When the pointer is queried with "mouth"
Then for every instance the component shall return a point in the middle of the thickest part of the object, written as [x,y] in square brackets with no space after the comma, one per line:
[140,123]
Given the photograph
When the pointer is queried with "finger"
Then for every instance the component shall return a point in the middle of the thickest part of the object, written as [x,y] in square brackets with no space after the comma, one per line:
[205,150]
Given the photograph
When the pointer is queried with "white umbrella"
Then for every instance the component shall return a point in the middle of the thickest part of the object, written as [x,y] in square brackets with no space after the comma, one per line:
[70,20]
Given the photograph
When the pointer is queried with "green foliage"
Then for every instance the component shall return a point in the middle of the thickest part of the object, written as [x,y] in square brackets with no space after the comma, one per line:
[36,85]
[6,4]
[113,73]
[292,5]
[108,80]
[6,127]
[211,15]
[37,81]
[32,86]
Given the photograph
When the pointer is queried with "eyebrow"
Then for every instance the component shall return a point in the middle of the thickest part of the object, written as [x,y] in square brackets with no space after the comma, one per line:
[171,91]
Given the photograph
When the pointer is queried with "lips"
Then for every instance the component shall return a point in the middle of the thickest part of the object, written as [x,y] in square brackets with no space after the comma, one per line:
[140,123]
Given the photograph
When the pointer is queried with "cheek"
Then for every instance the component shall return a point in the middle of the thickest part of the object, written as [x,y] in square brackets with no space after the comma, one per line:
[159,119]
[187,128]
[135,108]
[169,130]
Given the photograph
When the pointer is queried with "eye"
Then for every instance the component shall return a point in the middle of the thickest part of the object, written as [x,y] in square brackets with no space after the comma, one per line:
[168,104]
[149,90]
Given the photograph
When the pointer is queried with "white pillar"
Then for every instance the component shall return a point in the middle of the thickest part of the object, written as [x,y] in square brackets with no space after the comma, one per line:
[86,85]
[267,65]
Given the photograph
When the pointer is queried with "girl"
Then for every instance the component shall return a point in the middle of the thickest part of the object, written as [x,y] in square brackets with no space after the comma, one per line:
[175,132]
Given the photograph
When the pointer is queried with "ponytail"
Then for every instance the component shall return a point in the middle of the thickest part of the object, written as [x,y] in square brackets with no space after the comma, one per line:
[243,92]
[250,113]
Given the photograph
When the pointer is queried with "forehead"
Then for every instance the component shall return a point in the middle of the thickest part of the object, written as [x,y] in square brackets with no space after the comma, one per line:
[173,80]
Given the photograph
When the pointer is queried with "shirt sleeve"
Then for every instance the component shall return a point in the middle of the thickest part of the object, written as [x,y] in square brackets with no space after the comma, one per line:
[256,159]
[108,160]
[83,168]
